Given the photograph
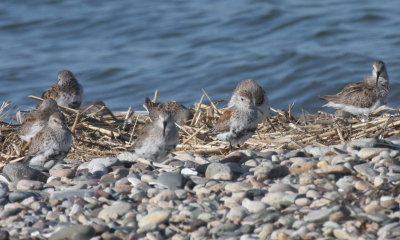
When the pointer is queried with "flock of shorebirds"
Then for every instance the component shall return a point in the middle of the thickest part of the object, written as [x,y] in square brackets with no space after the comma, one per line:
[50,139]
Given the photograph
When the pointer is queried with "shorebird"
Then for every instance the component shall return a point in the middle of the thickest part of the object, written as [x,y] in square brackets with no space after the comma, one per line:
[363,97]
[157,138]
[257,96]
[239,122]
[180,113]
[67,91]
[37,119]
[52,143]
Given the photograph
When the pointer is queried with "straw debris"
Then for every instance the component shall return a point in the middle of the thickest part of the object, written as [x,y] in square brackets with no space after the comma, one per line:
[108,135]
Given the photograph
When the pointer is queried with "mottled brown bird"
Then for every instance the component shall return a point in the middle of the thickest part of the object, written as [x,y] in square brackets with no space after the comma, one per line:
[37,119]
[239,122]
[52,143]
[363,97]
[257,96]
[180,113]
[157,138]
[67,91]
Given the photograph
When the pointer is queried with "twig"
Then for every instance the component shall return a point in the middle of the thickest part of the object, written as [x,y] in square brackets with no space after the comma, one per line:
[271,124]
[193,135]
[211,102]
[339,132]
[133,130]
[155,97]
[196,112]
[77,117]
[102,130]
[128,114]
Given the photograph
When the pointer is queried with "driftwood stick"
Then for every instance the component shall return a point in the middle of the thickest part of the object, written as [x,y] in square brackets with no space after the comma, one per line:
[102,130]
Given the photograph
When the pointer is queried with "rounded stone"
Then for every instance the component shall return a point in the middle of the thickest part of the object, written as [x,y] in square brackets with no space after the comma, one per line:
[154,218]
[165,195]
[114,211]
[367,153]
[313,194]
[237,187]
[387,202]
[171,180]
[25,184]
[237,213]
[63,172]
[302,202]
[74,232]
[253,206]
[361,185]
[281,187]
[378,181]
[17,171]
[219,171]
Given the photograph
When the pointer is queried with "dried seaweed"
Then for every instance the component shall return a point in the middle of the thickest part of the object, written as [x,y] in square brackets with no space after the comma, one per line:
[101,136]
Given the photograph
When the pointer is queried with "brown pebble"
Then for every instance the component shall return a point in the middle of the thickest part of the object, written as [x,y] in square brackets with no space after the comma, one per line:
[306,167]
[322,163]
[361,185]
[65,172]
[333,169]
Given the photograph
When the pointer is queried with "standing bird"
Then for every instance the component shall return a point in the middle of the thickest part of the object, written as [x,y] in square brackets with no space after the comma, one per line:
[51,144]
[157,138]
[67,91]
[363,97]
[180,113]
[257,96]
[239,122]
[37,119]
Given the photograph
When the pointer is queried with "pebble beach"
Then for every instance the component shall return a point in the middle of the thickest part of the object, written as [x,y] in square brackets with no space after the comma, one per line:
[81,159]
[345,191]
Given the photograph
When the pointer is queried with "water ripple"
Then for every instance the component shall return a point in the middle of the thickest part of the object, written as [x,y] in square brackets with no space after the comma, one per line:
[122,52]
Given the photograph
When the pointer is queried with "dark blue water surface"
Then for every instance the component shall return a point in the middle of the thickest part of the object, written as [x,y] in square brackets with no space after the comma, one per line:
[121,51]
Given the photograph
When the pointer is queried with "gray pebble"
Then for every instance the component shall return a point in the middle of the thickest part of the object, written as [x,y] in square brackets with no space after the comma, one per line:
[171,180]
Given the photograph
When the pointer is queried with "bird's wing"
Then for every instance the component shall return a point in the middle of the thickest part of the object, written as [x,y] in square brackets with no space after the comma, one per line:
[358,94]
[222,125]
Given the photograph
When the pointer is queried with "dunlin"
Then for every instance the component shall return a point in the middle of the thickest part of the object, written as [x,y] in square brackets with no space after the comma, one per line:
[67,91]
[257,96]
[180,113]
[37,119]
[239,122]
[363,97]
[158,138]
[52,143]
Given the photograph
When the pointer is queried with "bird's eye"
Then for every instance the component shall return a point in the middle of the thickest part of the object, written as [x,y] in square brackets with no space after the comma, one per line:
[242,99]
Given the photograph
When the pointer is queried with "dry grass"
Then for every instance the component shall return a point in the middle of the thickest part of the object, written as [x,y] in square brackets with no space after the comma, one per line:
[100,136]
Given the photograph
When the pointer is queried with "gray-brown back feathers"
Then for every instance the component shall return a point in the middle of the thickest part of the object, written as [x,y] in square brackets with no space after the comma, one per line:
[67,91]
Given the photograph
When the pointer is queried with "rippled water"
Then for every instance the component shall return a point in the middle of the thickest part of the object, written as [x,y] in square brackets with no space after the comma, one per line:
[121,51]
